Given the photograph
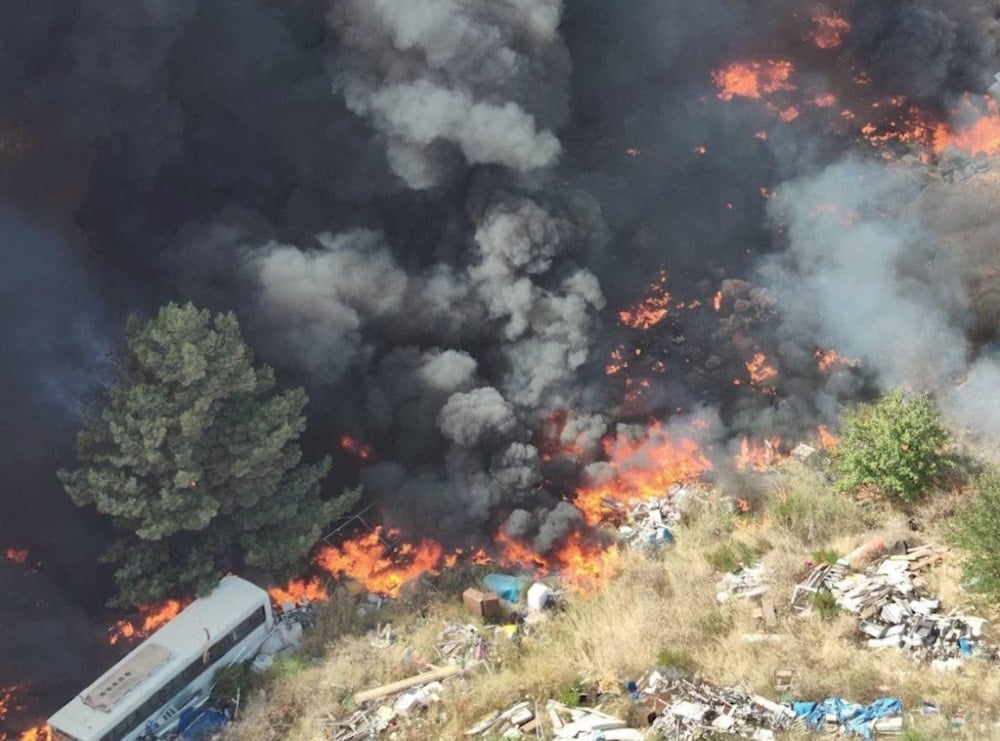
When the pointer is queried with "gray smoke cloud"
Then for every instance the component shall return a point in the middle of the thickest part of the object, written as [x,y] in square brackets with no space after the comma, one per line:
[440,75]
[467,417]
[878,269]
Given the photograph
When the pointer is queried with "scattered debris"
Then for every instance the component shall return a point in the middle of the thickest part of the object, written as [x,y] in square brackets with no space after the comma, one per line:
[559,722]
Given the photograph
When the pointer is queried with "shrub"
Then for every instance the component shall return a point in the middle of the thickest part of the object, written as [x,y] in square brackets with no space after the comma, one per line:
[826,604]
[679,659]
[894,444]
[977,530]
[825,555]
[736,553]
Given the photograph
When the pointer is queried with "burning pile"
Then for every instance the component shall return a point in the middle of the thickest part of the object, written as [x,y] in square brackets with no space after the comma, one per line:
[150,618]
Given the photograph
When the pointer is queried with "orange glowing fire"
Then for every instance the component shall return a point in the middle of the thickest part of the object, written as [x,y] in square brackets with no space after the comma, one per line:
[983,135]
[16,555]
[827,439]
[380,568]
[9,699]
[753,79]
[617,363]
[758,456]
[652,310]
[829,31]
[151,618]
[760,371]
[717,300]
[555,440]
[38,733]
[828,359]
[299,591]
[641,470]
[356,448]
[825,100]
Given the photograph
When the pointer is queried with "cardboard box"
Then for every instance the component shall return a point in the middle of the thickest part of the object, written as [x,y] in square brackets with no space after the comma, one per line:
[484,604]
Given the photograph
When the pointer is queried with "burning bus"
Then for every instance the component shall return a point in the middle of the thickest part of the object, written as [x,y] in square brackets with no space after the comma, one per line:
[144,694]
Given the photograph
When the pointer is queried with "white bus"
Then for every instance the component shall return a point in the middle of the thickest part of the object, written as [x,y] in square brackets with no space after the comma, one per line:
[144,693]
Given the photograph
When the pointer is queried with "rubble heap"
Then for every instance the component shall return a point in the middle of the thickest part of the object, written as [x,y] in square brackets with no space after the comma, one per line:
[894,610]
[648,523]
[679,710]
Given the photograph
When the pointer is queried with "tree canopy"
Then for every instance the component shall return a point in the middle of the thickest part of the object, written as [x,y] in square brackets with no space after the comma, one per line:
[894,444]
[196,458]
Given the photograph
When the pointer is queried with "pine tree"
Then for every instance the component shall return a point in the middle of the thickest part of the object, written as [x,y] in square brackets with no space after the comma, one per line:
[196,459]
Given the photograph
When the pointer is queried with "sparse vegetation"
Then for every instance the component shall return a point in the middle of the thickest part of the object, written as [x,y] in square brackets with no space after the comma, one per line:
[895,444]
[736,554]
[825,555]
[809,508]
[825,604]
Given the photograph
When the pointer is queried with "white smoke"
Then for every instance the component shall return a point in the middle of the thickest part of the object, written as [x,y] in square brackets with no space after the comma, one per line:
[458,72]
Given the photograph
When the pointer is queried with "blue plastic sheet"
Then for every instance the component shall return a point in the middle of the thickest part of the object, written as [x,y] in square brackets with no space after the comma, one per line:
[506,586]
[855,718]
[196,724]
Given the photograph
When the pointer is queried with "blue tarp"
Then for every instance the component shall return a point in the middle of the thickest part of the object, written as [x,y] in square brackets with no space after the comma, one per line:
[856,718]
[506,586]
[197,723]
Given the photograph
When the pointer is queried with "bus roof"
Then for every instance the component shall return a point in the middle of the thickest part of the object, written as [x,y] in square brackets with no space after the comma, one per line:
[167,651]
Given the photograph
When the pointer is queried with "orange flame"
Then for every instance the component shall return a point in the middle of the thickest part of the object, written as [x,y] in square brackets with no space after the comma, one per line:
[717,300]
[827,359]
[652,310]
[758,457]
[152,617]
[38,733]
[825,100]
[753,79]
[829,31]
[983,135]
[553,440]
[9,699]
[356,448]
[299,591]
[641,470]
[16,555]
[759,370]
[827,439]
[381,569]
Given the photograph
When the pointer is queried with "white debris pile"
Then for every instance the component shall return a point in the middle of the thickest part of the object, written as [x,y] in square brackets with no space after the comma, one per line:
[680,710]
[750,582]
[461,643]
[894,609]
[557,721]
[648,523]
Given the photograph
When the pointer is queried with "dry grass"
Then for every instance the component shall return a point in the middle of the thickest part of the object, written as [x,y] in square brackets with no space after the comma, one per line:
[664,608]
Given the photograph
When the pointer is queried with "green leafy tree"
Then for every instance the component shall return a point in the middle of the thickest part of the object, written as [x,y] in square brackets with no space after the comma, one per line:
[977,531]
[196,459]
[894,444]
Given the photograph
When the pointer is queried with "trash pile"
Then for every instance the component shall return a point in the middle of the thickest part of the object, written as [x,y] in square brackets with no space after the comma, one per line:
[647,524]
[881,718]
[461,644]
[892,610]
[558,721]
[750,582]
[679,709]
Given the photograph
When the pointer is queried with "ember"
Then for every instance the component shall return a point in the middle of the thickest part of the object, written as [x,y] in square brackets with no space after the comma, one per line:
[829,31]
[753,79]
[16,555]
[829,359]
[759,370]
[652,310]
[38,733]
[356,448]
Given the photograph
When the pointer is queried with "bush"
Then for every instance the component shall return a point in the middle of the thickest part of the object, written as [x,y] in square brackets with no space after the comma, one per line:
[731,556]
[682,661]
[825,604]
[894,444]
[977,530]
